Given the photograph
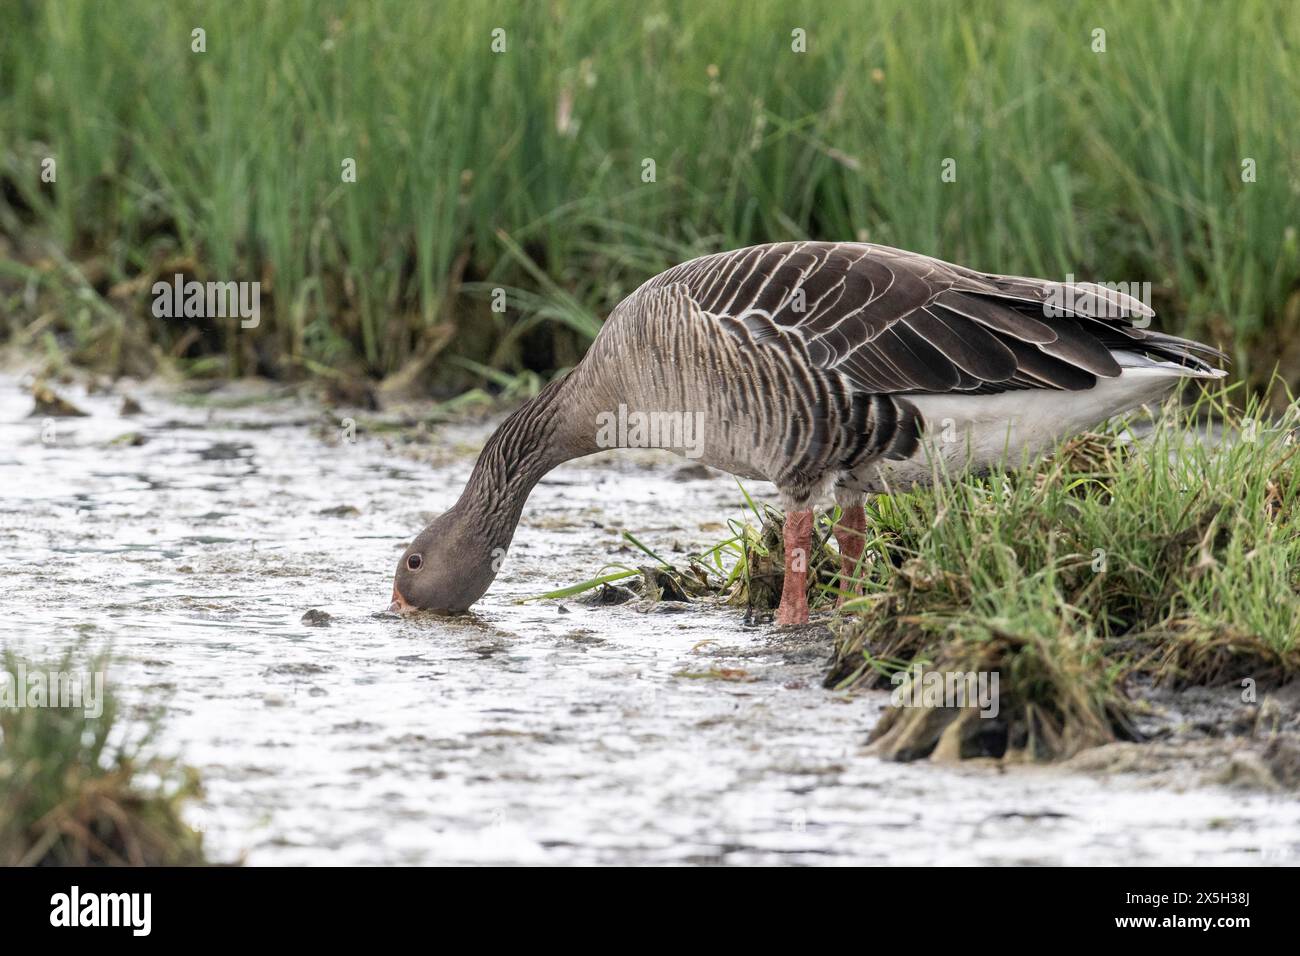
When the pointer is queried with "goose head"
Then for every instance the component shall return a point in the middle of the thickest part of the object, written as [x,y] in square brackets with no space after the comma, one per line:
[448,567]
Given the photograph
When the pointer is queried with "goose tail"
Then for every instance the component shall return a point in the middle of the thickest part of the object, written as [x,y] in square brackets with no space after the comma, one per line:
[1184,358]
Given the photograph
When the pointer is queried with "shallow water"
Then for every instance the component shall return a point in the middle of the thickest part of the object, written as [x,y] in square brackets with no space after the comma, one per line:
[525,733]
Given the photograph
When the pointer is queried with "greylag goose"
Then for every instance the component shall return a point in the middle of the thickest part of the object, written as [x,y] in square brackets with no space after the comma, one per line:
[819,366]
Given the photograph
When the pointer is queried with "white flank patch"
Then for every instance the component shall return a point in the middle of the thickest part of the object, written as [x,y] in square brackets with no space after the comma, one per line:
[977,432]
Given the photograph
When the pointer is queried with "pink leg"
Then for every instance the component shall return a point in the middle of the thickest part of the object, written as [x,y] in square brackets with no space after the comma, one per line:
[851,535]
[798,544]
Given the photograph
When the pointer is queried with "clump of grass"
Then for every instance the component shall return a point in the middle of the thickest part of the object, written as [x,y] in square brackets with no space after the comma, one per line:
[750,564]
[746,569]
[74,792]
[1176,556]
[1056,697]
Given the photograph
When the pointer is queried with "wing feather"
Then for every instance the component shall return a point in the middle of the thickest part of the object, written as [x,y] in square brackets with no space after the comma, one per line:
[892,321]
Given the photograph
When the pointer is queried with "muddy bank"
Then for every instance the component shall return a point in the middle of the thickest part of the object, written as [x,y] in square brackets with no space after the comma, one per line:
[194,536]
[1208,736]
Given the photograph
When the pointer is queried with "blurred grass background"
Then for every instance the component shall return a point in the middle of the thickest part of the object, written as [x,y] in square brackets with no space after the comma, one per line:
[523,169]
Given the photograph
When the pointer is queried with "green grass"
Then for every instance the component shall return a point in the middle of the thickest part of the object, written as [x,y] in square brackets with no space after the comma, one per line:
[76,791]
[1121,166]
[1173,558]
[745,569]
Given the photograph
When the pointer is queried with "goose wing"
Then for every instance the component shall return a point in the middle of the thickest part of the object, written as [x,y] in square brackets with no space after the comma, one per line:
[892,321]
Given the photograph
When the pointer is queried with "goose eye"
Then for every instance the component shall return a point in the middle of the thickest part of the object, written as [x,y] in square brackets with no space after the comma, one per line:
[414,562]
